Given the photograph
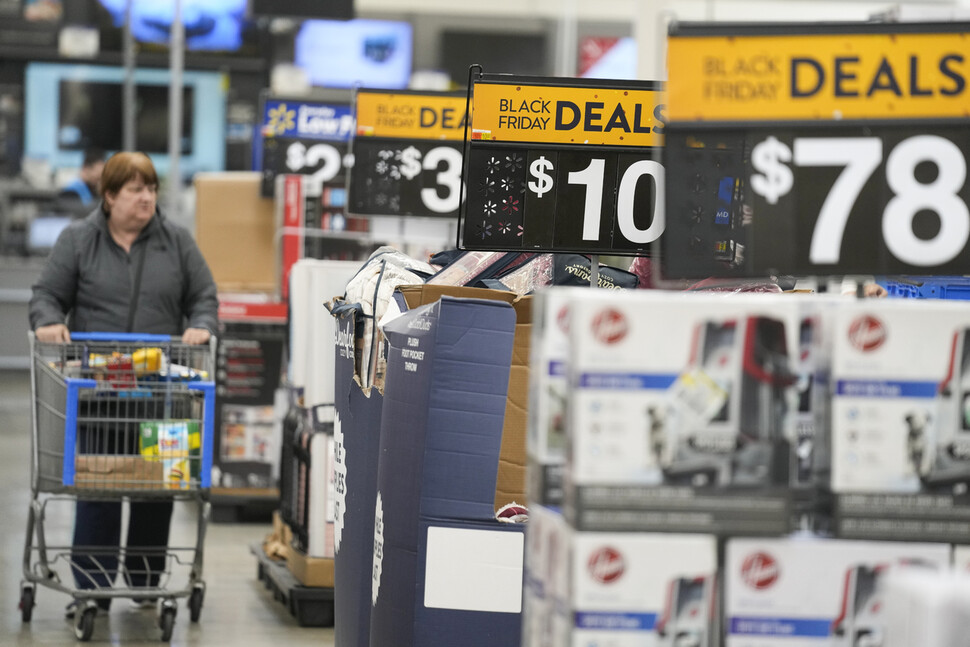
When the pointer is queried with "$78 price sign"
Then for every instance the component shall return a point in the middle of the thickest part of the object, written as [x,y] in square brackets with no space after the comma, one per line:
[866,160]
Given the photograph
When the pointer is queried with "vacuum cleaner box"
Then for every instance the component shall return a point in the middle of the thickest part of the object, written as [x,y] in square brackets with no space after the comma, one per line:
[900,420]
[682,411]
[441,435]
[636,589]
[546,441]
[811,591]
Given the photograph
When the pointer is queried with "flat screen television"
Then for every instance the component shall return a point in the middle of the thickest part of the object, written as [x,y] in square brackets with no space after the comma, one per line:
[342,54]
[497,53]
[209,25]
[68,107]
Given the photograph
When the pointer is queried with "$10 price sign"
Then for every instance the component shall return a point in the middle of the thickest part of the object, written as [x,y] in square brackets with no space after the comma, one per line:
[407,154]
[563,165]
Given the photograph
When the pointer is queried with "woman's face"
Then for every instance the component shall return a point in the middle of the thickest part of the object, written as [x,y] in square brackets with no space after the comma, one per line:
[134,205]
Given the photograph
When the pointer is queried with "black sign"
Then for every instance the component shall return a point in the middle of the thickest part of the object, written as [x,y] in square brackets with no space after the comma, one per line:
[403,177]
[589,199]
[819,200]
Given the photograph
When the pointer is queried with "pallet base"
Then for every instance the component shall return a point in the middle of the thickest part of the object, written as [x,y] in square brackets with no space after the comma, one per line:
[311,606]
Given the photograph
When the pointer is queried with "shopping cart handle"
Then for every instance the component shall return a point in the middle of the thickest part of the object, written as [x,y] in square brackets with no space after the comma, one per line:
[123,336]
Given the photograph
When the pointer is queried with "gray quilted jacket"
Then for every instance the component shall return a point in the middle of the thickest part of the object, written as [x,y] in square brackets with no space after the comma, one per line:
[89,277]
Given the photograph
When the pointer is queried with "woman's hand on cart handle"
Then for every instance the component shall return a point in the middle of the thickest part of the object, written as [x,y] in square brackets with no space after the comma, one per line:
[53,334]
[195,336]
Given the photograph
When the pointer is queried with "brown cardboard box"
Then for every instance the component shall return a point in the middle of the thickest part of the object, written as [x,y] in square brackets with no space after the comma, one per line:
[235,228]
[510,485]
[277,544]
[512,461]
[109,471]
[310,571]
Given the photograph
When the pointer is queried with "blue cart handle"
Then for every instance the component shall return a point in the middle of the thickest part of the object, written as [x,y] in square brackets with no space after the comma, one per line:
[124,336]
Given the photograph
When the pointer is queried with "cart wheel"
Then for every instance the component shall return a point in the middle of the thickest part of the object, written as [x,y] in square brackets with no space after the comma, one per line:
[195,603]
[167,623]
[84,623]
[26,602]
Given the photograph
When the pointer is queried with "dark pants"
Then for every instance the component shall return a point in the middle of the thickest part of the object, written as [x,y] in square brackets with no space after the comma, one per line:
[104,428]
[97,535]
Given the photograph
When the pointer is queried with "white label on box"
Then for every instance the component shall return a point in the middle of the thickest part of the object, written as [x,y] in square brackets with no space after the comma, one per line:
[339,482]
[474,570]
[378,549]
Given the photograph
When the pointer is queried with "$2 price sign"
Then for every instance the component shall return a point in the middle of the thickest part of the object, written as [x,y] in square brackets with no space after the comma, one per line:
[873,164]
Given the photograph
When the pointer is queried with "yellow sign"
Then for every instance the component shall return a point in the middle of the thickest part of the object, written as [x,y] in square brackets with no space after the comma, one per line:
[567,115]
[410,115]
[818,76]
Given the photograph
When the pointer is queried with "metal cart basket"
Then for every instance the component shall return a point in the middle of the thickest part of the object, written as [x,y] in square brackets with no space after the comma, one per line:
[119,417]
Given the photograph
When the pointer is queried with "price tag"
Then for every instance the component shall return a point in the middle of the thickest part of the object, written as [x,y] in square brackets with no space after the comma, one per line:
[563,165]
[408,154]
[307,138]
[848,148]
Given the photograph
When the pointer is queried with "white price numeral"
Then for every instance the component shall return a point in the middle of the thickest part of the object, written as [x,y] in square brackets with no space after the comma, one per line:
[450,179]
[860,157]
[298,157]
[592,177]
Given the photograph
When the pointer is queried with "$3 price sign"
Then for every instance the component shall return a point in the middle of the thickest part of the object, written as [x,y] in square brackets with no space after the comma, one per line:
[562,200]
[394,177]
[896,173]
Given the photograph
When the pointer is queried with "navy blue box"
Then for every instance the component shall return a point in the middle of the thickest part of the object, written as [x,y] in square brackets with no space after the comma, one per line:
[356,440]
[441,433]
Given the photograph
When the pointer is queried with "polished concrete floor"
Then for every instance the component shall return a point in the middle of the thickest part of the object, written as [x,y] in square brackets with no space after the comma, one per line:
[238,609]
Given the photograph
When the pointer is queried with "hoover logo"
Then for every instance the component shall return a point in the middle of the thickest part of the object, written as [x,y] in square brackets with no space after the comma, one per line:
[760,571]
[606,565]
[562,319]
[867,333]
[610,326]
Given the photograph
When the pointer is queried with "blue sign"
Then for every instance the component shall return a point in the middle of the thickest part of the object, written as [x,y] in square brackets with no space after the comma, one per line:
[307,120]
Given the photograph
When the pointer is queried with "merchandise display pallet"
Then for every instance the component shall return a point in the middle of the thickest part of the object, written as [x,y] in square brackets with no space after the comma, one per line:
[311,606]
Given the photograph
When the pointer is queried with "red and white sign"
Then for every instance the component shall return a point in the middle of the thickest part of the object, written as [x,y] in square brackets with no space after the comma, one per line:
[867,333]
[760,571]
[606,565]
[610,326]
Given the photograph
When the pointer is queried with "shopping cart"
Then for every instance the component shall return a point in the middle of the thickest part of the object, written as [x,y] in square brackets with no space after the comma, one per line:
[119,417]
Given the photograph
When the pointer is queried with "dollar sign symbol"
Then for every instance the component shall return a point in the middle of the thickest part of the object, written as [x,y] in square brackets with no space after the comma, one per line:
[775,178]
[538,170]
[295,156]
[410,166]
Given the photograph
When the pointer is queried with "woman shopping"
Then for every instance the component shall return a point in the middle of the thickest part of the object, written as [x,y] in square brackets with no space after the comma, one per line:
[123,268]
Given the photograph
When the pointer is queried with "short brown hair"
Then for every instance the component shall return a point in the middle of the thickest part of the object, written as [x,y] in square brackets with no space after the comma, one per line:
[124,166]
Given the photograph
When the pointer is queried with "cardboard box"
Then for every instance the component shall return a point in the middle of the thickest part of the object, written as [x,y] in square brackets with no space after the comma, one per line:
[176,444]
[511,482]
[441,434]
[548,391]
[311,571]
[681,411]
[235,228]
[100,472]
[810,591]
[638,589]
[356,433]
[900,427]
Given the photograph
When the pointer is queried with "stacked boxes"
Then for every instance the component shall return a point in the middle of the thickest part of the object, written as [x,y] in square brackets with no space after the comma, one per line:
[443,566]
[800,592]
[682,412]
[900,423]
